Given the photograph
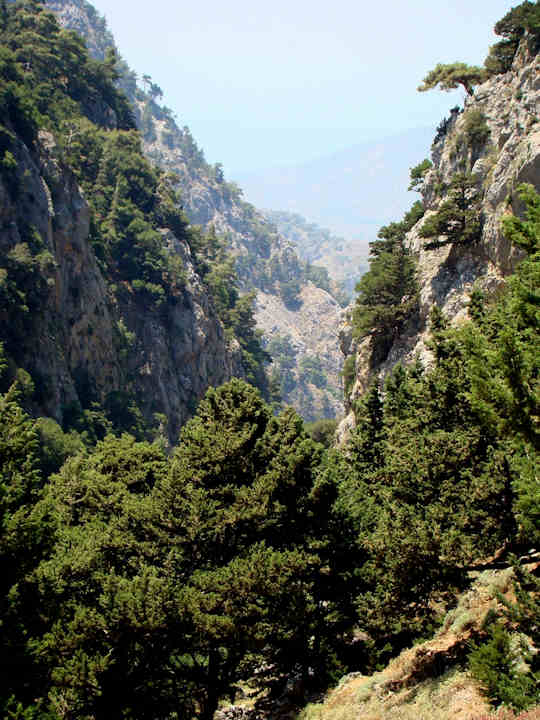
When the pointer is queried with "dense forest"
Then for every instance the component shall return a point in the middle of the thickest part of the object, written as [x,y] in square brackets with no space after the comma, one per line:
[144,581]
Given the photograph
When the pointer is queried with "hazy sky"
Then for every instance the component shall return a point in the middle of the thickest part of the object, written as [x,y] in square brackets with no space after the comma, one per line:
[284,81]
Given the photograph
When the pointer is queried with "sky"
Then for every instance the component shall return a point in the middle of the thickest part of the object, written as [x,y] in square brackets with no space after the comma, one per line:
[264,84]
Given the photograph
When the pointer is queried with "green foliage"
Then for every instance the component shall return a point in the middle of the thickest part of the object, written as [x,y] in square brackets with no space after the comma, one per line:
[22,537]
[349,373]
[311,371]
[235,310]
[47,75]
[147,124]
[8,171]
[524,18]
[312,242]
[476,128]
[138,582]
[418,174]
[506,663]
[139,585]
[504,366]
[25,271]
[283,355]
[167,582]
[492,664]
[55,445]
[458,219]
[193,154]
[440,470]
[422,493]
[290,293]
[319,277]
[387,293]
[525,233]
[449,76]
[132,201]
[323,431]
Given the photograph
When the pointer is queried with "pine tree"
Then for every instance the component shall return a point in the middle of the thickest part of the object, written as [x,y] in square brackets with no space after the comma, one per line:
[448,77]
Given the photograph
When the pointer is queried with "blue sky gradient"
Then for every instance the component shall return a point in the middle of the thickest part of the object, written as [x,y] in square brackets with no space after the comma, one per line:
[267,84]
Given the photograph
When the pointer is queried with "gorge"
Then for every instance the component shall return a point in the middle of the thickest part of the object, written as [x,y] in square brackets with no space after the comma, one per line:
[180,536]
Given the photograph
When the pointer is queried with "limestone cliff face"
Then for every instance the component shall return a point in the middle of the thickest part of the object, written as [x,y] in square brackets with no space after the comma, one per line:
[508,155]
[74,334]
[344,259]
[80,16]
[312,330]
[266,260]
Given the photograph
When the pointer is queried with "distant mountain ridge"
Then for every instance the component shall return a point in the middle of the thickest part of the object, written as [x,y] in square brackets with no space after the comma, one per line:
[352,192]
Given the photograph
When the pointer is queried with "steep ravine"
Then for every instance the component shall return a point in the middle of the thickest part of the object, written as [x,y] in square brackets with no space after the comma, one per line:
[266,260]
[508,155]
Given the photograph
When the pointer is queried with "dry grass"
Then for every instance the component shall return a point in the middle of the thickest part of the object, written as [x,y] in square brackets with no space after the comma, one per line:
[474,604]
[425,682]
[452,696]
[533,714]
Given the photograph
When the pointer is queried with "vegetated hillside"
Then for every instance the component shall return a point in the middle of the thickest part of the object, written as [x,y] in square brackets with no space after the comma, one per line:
[431,680]
[250,563]
[265,260]
[451,244]
[111,312]
[345,260]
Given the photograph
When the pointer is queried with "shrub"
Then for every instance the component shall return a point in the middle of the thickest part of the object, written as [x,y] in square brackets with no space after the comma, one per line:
[322,431]
[476,128]
[458,219]
[290,294]
[349,373]
[418,174]
[493,665]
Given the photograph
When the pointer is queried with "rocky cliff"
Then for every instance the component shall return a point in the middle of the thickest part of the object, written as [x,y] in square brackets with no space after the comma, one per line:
[286,301]
[266,261]
[78,341]
[493,142]
[132,338]
[344,260]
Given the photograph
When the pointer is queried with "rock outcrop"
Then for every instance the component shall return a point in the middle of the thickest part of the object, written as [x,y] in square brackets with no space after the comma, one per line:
[266,259]
[74,337]
[311,329]
[504,154]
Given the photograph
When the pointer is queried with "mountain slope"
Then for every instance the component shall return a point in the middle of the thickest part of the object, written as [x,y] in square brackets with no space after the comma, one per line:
[353,192]
[343,260]
[266,261]
[105,282]
[430,679]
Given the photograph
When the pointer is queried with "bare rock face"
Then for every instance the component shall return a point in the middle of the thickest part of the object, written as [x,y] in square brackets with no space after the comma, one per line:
[74,335]
[509,155]
[70,329]
[80,16]
[312,329]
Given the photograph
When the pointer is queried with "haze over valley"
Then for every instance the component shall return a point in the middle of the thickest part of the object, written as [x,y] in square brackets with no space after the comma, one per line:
[248,472]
